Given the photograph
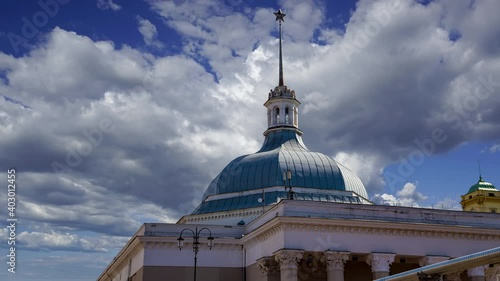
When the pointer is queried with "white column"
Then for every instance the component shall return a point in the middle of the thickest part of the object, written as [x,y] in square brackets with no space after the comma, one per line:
[335,264]
[380,263]
[492,273]
[428,260]
[476,273]
[288,262]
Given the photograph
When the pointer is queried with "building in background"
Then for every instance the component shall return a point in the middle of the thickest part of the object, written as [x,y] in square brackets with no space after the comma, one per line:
[481,197]
[286,213]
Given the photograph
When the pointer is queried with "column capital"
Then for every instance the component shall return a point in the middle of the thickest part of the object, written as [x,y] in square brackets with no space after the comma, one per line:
[476,271]
[288,259]
[268,265]
[491,273]
[335,260]
[380,261]
[428,260]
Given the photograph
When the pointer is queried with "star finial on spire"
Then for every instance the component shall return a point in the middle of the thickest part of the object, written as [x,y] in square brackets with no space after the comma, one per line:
[279,15]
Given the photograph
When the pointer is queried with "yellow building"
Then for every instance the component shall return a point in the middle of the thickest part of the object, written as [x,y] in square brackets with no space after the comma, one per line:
[482,197]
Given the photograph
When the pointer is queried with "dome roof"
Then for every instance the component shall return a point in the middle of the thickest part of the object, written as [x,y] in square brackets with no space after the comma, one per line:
[482,185]
[315,176]
[256,180]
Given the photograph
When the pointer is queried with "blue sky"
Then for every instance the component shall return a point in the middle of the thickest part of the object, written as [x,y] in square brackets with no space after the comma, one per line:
[117,113]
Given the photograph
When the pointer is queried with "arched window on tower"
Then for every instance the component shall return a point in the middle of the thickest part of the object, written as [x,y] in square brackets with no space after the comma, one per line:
[286,115]
[295,116]
[276,115]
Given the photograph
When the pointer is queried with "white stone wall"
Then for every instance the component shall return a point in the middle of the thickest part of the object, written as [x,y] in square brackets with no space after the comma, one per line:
[219,256]
[282,104]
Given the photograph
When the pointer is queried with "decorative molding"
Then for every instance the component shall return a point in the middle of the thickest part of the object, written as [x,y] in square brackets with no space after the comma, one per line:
[491,273]
[264,235]
[335,260]
[428,260]
[281,91]
[384,229]
[251,212]
[160,245]
[380,262]
[288,259]
[133,246]
[268,265]
[280,224]
[188,244]
[476,271]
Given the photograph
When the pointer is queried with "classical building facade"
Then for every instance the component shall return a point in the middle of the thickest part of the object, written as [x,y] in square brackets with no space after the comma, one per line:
[311,240]
[286,213]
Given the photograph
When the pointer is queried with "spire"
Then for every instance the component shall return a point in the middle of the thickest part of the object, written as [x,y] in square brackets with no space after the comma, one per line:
[480,175]
[282,105]
[280,17]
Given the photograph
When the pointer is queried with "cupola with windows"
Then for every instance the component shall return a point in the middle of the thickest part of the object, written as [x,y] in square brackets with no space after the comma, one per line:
[282,108]
[257,180]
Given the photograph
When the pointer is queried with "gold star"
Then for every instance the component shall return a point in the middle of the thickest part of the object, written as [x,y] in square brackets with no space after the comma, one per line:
[279,15]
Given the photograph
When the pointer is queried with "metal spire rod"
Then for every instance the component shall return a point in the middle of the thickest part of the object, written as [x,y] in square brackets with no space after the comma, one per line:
[280,17]
[480,175]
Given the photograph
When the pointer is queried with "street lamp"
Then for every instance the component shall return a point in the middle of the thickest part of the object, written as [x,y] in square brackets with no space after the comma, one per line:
[196,243]
[288,176]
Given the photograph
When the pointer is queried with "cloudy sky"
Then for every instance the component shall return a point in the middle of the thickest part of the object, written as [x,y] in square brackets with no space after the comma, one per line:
[116,113]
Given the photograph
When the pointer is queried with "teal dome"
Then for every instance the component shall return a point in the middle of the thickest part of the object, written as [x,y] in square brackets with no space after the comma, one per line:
[315,176]
[482,185]
[256,180]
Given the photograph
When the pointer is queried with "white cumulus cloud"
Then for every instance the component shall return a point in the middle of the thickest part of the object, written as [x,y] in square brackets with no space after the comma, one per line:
[494,148]
[407,196]
[148,32]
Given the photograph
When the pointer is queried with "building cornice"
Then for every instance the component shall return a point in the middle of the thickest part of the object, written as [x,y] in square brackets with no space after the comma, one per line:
[283,127]
[382,213]
[389,228]
[250,212]
[130,249]
[280,224]
[132,246]
[262,233]
[162,242]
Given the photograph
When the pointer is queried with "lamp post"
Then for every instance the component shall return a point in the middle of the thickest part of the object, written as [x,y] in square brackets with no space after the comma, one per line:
[288,176]
[196,243]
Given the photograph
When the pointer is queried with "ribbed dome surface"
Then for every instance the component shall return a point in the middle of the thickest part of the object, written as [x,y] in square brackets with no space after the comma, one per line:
[256,180]
[282,150]
[482,185]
